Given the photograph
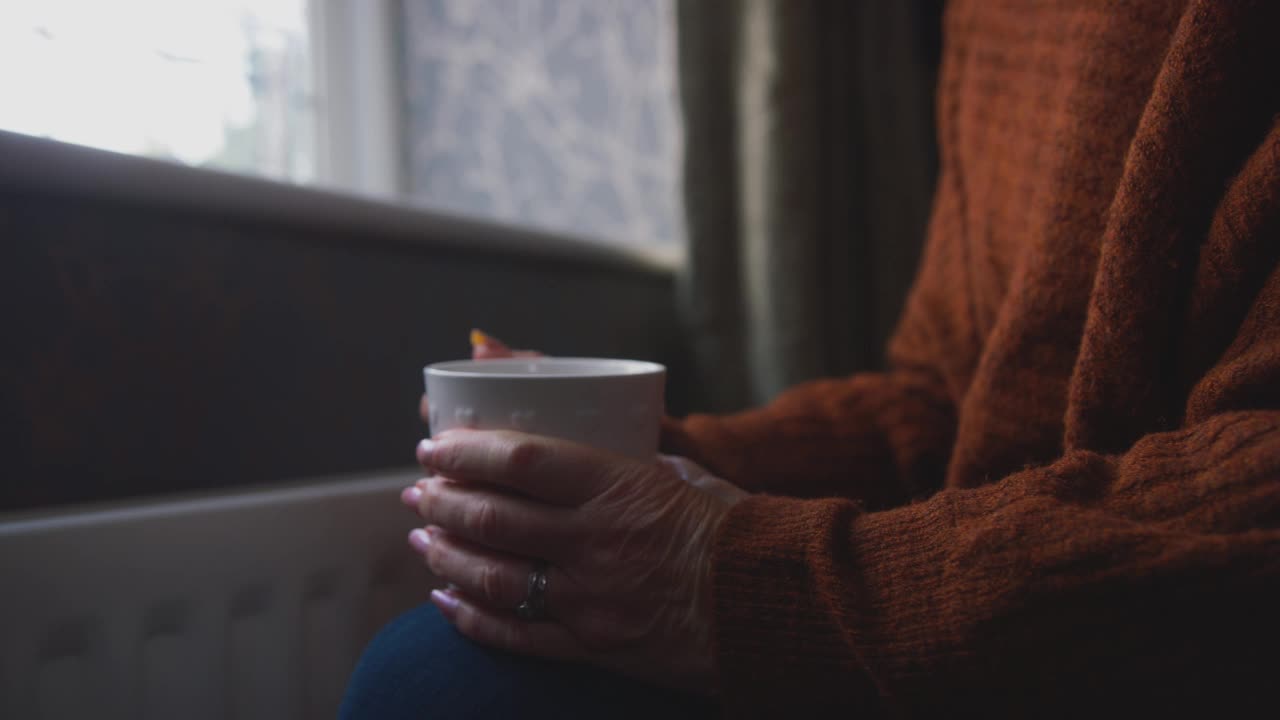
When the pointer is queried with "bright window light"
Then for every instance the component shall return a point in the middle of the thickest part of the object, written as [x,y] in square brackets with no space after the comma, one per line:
[223,84]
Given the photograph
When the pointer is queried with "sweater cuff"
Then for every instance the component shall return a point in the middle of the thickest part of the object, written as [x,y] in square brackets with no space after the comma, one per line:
[806,595]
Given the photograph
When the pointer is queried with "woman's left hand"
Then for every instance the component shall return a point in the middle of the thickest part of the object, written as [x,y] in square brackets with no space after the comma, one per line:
[626,543]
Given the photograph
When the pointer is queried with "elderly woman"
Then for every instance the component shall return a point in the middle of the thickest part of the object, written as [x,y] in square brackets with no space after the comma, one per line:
[1062,498]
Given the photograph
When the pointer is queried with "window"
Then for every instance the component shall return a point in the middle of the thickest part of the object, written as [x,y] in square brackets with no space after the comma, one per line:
[556,114]
[213,84]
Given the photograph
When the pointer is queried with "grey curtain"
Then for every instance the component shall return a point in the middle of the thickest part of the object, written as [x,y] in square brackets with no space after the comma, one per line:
[809,166]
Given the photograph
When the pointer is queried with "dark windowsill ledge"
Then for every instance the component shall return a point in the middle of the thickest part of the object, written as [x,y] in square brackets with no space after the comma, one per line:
[29,164]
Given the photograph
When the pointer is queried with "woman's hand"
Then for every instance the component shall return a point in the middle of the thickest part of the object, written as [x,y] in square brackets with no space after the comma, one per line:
[627,546]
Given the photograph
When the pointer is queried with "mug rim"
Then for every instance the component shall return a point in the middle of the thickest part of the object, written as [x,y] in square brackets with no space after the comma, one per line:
[609,368]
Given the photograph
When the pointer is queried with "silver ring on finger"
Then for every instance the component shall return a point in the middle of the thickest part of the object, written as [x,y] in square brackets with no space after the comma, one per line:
[534,606]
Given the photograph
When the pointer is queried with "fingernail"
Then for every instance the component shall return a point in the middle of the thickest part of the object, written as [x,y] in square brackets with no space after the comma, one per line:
[419,539]
[446,602]
[478,338]
[411,496]
[425,448]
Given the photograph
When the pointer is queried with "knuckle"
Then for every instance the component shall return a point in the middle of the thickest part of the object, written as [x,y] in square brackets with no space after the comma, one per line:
[507,636]
[433,560]
[431,490]
[444,457]
[515,638]
[430,499]
[489,583]
[483,519]
[468,623]
[524,454]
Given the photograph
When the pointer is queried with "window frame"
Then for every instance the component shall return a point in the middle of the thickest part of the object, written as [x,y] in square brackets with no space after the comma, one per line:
[359,140]
[357,77]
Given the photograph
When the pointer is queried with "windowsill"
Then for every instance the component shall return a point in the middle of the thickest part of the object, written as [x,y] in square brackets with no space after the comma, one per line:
[46,166]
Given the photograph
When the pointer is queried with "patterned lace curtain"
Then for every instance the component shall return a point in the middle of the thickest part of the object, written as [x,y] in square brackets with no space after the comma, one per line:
[557,114]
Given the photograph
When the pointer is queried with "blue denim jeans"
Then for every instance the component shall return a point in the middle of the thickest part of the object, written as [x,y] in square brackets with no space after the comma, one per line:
[419,666]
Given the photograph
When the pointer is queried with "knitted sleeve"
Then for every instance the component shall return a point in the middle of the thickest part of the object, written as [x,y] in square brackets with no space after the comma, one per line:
[1148,579]
[1060,590]
[1031,597]
[877,438]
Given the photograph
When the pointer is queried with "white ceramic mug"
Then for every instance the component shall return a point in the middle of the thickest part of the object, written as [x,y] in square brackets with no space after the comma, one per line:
[610,404]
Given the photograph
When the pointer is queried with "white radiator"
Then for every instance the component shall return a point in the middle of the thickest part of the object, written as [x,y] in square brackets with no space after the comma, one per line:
[247,605]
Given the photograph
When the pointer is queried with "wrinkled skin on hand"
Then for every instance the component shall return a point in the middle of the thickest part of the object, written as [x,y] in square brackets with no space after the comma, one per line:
[627,543]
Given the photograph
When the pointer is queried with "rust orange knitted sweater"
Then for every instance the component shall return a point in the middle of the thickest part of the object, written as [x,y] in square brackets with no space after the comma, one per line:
[1064,496]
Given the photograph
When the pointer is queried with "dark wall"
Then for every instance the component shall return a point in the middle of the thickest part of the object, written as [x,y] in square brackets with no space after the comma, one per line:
[154,347]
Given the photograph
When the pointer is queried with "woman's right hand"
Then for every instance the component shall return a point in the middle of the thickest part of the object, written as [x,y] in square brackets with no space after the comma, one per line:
[483,347]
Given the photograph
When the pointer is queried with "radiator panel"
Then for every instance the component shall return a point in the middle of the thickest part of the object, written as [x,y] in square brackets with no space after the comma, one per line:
[252,605]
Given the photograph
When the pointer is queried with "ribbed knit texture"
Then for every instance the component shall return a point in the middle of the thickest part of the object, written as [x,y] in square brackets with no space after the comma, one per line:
[1063,498]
